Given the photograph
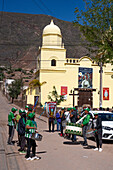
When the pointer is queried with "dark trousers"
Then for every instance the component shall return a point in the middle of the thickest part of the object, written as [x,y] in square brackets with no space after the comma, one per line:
[73,137]
[84,130]
[61,129]
[11,134]
[51,123]
[98,138]
[31,144]
[22,142]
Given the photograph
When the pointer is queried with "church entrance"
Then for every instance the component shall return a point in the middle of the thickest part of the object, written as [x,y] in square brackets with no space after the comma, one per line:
[85,97]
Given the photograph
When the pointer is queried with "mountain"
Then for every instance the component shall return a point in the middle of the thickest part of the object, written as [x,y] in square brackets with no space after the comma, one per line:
[21,35]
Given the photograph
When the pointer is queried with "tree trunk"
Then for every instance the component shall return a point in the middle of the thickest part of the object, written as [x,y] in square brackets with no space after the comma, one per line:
[12,99]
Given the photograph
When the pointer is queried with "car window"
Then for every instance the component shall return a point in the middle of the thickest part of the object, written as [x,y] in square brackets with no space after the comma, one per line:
[106,116]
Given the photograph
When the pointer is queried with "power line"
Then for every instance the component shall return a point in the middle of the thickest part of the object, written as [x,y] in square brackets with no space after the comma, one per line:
[38,6]
[46,7]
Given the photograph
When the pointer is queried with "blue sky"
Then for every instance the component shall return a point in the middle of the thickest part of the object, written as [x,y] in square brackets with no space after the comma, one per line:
[62,9]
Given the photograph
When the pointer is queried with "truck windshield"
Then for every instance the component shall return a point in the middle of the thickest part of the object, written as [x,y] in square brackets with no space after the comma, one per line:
[106,116]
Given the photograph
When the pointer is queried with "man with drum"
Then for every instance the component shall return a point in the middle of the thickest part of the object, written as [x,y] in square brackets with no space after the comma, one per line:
[85,125]
[30,129]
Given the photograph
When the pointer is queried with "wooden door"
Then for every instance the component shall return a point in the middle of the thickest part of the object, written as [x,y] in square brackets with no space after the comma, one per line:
[85,97]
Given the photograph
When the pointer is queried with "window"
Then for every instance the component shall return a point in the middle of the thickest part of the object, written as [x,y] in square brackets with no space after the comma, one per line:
[53,62]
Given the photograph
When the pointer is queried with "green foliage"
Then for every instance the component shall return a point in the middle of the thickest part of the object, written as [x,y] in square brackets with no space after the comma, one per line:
[31,70]
[2,76]
[96,24]
[54,97]
[18,69]
[36,83]
[15,88]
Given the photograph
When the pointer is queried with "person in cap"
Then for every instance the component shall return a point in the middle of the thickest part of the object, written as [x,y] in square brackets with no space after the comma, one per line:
[98,133]
[85,125]
[29,111]
[11,124]
[26,108]
[21,132]
[17,120]
[62,116]
[30,128]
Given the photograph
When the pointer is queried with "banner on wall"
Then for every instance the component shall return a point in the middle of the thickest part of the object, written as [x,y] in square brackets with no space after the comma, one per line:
[64,92]
[105,93]
[85,77]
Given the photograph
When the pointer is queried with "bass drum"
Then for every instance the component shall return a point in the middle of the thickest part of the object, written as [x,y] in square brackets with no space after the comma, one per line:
[36,136]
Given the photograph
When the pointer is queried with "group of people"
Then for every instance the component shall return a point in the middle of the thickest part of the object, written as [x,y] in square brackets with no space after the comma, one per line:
[25,124]
[71,116]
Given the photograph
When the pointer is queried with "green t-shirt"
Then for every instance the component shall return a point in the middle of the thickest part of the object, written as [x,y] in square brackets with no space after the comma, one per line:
[86,120]
[11,119]
[17,118]
[28,132]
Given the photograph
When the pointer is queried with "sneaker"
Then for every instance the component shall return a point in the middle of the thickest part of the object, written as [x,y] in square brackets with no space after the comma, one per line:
[35,158]
[96,149]
[85,144]
[11,143]
[61,135]
[100,149]
[22,152]
[28,159]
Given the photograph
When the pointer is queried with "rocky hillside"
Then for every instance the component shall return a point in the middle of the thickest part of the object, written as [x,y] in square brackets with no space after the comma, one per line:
[20,37]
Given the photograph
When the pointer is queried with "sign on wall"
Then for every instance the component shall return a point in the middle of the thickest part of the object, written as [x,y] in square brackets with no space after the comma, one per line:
[105,93]
[85,77]
[64,91]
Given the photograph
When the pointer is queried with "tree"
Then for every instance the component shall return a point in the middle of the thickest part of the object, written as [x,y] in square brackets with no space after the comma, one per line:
[15,89]
[36,83]
[96,24]
[54,97]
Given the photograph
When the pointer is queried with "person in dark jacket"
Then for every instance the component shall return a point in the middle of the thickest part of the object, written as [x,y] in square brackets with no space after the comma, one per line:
[98,133]
[73,117]
[62,116]
[21,132]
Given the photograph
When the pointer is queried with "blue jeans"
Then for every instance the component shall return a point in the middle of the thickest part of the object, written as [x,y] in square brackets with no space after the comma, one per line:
[58,126]
[73,137]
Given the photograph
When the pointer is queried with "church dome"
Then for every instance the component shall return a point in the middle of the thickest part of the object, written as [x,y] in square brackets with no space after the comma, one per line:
[52,29]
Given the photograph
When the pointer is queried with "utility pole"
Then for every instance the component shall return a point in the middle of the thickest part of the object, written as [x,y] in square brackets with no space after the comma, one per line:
[100,71]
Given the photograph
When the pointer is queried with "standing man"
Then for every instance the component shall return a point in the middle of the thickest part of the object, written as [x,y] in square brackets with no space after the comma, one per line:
[17,120]
[11,124]
[30,129]
[85,125]
[51,120]
[21,132]
[98,133]
[62,116]
[73,117]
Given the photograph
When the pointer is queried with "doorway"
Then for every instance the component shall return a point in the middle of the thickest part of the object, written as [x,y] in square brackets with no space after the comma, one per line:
[85,97]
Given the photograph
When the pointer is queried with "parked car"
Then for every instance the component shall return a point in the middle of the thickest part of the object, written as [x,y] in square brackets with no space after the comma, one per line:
[107,124]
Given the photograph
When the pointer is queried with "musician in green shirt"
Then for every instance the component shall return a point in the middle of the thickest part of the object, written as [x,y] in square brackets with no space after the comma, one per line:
[30,129]
[85,125]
